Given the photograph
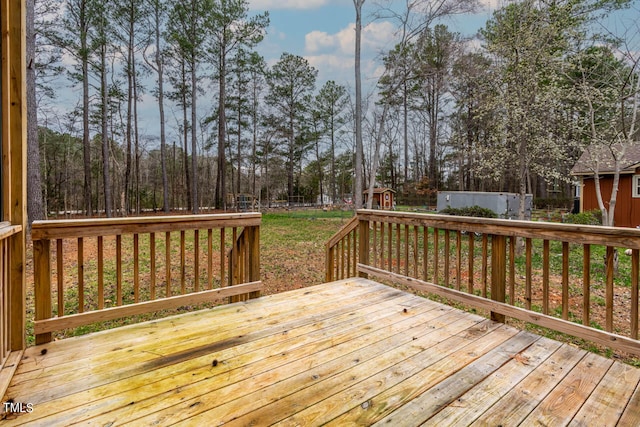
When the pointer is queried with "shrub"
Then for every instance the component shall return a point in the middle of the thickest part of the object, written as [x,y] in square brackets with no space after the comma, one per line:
[476,211]
[593,217]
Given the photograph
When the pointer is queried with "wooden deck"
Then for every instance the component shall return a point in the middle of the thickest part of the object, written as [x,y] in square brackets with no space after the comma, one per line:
[352,352]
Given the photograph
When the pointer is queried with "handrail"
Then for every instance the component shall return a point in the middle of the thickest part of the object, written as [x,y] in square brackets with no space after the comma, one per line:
[558,276]
[126,266]
[335,259]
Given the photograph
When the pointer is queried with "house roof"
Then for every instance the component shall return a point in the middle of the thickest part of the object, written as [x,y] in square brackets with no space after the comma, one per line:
[601,159]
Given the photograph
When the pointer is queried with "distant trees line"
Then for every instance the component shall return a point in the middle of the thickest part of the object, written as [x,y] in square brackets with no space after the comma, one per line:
[510,115]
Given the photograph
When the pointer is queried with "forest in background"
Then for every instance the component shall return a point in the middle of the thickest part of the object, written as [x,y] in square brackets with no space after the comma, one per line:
[509,110]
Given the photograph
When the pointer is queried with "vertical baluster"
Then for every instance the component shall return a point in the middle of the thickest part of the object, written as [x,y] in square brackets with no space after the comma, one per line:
[60,276]
[100,272]
[341,262]
[406,250]
[118,270]
[609,289]
[635,261]
[458,259]
[565,280]
[381,265]
[436,256]
[167,262]
[80,275]
[223,254]
[586,285]
[485,262]
[348,239]
[512,269]
[390,246]
[415,251]
[375,244]
[210,259]
[233,271]
[398,259]
[472,241]
[152,266]
[354,250]
[447,249]
[528,274]
[136,268]
[183,268]
[196,260]
[545,277]
[425,252]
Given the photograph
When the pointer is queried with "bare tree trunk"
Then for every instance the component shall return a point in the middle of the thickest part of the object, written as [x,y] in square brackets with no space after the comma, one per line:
[376,155]
[108,207]
[359,147]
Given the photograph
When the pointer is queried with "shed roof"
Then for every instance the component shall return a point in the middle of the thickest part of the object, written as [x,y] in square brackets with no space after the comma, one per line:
[379,190]
[601,158]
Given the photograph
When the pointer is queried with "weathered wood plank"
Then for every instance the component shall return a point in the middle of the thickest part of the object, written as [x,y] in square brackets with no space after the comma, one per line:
[603,404]
[467,407]
[516,405]
[235,361]
[192,325]
[631,414]
[364,402]
[563,402]
[433,400]
[246,378]
[312,405]
[145,357]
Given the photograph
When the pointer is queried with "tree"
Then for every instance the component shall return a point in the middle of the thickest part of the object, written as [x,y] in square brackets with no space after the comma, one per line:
[156,27]
[434,53]
[75,39]
[606,93]
[527,41]
[290,81]
[358,113]
[230,29]
[331,103]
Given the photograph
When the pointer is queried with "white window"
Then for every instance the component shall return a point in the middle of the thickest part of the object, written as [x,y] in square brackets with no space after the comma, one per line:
[636,186]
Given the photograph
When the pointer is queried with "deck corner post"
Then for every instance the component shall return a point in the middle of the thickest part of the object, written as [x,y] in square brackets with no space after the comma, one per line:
[498,273]
[363,246]
[254,258]
[329,264]
[42,284]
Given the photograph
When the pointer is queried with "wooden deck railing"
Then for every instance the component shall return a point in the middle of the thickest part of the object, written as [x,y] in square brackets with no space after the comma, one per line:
[103,269]
[559,276]
[10,320]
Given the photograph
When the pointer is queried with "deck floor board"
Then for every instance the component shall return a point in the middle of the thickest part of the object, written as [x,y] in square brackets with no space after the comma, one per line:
[352,352]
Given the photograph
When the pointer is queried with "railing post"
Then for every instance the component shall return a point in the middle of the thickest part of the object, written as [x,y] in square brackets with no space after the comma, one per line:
[42,283]
[498,273]
[254,258]
[329,263]
[363,246]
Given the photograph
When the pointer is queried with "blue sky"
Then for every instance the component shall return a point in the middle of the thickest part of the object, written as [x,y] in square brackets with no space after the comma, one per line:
[322,31]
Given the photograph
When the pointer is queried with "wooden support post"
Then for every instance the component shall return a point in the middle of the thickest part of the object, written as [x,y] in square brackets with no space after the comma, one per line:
[363,246]
[42,283]
[254,258]
[498,273]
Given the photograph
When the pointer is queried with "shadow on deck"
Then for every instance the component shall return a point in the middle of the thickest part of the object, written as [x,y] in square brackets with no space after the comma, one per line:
[348,352]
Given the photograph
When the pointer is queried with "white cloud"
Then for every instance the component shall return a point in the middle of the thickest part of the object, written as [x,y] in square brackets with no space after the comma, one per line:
[375,36]
[286,4]
[332,54]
